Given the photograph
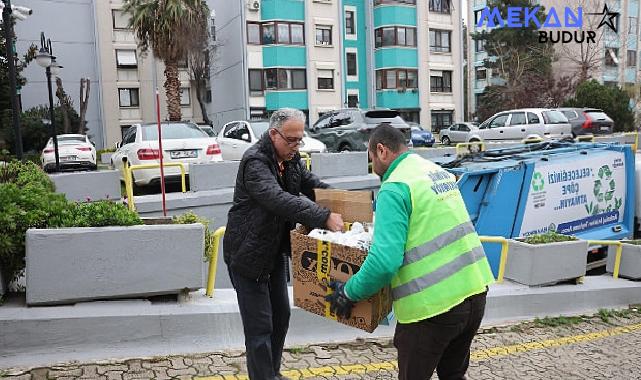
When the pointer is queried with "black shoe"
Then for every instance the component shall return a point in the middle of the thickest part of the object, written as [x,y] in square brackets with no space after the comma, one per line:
[281,377]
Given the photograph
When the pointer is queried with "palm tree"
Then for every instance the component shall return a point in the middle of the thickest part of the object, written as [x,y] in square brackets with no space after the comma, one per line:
[172,28]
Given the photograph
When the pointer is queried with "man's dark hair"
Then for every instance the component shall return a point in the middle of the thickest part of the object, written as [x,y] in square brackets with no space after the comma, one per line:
[387,135]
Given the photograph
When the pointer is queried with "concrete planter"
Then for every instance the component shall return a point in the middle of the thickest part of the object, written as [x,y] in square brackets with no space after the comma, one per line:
[105,158]
[88,263]
[630,266]
[542,264]
[88,186]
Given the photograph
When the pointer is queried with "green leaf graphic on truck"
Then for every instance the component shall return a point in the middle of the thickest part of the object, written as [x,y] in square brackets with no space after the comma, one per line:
[603,191]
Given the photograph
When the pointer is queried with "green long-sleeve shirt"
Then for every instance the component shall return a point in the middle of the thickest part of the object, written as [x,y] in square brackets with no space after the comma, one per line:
[385,257]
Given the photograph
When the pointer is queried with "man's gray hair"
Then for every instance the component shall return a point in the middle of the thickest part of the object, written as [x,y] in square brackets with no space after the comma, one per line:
[282,115]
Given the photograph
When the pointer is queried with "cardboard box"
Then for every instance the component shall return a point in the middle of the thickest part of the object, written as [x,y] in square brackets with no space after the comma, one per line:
[315,263]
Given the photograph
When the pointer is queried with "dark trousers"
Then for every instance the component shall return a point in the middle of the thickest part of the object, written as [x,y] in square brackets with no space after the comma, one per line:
[264,309]
[440,343]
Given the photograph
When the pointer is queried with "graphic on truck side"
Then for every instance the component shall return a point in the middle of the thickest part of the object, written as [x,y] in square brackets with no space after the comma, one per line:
[571,197]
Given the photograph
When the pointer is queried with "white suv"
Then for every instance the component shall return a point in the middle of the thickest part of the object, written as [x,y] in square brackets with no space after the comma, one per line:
[523,123]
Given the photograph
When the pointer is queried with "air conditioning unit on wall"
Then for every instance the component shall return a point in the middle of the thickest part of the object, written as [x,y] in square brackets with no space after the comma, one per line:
[253,5]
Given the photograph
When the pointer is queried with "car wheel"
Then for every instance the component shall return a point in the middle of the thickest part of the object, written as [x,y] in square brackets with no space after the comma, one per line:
[475,140]
[345,147]
[446,140]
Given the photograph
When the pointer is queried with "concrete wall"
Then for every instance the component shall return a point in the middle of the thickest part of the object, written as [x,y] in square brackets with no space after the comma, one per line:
[112,262]
[213,175]
[85,186]
[327,165]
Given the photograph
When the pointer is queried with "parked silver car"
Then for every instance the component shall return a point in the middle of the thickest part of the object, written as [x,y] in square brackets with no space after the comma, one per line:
[523,123]
[457,132]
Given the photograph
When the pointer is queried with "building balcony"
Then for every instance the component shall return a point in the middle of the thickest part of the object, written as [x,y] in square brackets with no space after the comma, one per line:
[396,57]
[394,15]
[398,98]
[284,56]
[290,98]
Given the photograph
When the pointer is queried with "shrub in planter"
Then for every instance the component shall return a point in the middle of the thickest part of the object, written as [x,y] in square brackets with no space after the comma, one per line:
[189,218]
[630,265]
[28,200]
[545,259]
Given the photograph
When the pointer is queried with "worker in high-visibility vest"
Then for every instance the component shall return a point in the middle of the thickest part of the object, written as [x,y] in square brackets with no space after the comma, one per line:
[426,247]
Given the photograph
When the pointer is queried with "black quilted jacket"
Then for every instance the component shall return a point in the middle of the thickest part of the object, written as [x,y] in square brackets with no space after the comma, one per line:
[266,207]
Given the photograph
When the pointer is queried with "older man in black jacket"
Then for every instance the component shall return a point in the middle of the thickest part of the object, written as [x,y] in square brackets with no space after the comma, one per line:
[267,204]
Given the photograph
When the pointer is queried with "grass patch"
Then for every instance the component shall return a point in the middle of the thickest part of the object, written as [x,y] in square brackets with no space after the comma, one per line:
[557,321]
[296,350]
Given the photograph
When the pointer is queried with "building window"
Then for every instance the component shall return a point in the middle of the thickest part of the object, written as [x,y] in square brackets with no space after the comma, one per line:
[323,35]
[409,115]
[268,36]
[185,96]
[632,25]
[611,55]
[396,79]
[278,79]
[256,85]
[182,63]
[441,119]
[126,59]
[352,66]
[632,58]
[481,74]
[352,100]
[119,19]
[395,2]
[325,79]
[440,6]
[286,33]
[441,81]
[128,97]
[479,45]
[395,36]
[440,41]
[350,23]
[253,33]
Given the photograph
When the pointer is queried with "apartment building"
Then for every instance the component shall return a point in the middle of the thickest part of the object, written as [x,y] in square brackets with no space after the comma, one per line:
[614,56]
[320,55]
[91,40]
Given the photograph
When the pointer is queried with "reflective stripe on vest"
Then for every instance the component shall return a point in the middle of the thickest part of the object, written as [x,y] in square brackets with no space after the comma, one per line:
[443,272]
[446,238]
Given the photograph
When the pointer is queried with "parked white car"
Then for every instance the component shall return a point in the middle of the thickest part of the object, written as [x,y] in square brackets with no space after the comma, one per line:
[236,137]
[456,133]
[181,142]
[75,151]
[523,123]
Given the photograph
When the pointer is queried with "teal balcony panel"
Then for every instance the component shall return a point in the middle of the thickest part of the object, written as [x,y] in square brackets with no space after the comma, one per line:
[279,99]
[394,15]
[396,57]
[284,56]
[395,99]
[282,10]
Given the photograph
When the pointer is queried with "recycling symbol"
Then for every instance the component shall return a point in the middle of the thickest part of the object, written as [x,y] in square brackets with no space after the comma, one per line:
[604,186]
[537,181]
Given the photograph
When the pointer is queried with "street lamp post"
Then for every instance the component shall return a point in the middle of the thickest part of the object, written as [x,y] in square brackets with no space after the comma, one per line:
[46,59]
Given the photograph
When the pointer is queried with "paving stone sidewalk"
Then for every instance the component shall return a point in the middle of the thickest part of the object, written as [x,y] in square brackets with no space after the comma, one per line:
[604,346]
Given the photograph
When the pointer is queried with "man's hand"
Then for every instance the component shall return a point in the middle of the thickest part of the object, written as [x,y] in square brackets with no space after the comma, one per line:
[339,303]
[335,222]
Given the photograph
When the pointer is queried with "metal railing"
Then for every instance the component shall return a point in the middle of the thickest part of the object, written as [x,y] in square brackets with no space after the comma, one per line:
[308,160]
[128,170]
[504,249]
[617,256]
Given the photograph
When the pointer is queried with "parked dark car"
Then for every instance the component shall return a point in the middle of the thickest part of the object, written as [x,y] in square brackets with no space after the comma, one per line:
[588,120]
[421,137]
[349,129]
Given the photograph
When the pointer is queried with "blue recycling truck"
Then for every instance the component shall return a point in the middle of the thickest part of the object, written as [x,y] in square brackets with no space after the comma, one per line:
[581,189]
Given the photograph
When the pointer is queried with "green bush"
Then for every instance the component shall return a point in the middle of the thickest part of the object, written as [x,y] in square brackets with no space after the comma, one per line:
[28,200]
[189,218]
[548,237]
[107,150]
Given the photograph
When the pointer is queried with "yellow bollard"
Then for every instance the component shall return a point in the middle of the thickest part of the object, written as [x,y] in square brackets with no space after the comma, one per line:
[504,249]
[617,257]
[213,261]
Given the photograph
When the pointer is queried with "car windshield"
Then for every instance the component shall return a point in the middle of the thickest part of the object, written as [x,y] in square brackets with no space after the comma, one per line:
[554,117]
[209,131]
[597,115]
[173,131]
[260,128]
[71,139]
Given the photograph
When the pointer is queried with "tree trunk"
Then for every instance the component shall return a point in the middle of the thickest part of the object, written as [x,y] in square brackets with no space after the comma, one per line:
[172,91]
[85,86]
[201,103]
[64,106]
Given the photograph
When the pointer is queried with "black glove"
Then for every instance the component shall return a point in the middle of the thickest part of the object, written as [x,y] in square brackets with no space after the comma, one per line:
[339,303]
